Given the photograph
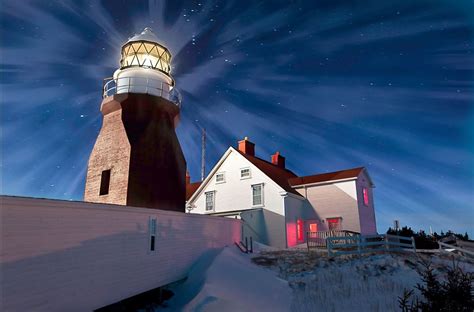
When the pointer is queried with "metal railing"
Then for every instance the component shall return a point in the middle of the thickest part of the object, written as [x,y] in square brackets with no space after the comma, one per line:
[141,85]
[319,239]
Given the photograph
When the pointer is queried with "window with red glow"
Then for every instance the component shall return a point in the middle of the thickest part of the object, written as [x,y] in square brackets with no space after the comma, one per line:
[313,228]
[366,196]
[334,224]
[299,229]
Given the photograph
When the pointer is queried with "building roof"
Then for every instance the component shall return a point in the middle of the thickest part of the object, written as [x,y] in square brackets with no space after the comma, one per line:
[326,177]
[191,188]
[277,174]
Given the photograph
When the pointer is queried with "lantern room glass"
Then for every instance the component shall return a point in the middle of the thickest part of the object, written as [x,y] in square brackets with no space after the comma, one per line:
[146,54]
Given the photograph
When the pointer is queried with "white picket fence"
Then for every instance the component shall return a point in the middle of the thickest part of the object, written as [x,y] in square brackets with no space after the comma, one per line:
[450,248]
[346,245]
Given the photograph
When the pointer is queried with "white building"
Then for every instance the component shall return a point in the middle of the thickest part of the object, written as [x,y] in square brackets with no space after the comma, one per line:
[278,207]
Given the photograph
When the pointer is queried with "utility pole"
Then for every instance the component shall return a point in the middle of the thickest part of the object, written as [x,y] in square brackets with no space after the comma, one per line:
[203,154]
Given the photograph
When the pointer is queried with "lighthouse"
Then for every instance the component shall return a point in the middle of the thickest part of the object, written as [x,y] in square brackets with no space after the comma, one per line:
[137,159]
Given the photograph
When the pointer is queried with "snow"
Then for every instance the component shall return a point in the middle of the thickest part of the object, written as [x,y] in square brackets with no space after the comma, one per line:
[231,283]
[295,280]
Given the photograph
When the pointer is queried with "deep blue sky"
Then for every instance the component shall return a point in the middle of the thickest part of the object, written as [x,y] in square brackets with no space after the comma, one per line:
[332,85]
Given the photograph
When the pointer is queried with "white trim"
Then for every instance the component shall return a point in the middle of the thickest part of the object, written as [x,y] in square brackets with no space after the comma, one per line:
[204,183]
[323,182]
[287,194]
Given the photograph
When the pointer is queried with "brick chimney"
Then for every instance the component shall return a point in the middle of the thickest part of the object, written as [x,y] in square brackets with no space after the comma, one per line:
[247,147]
[188,177]
[278,160]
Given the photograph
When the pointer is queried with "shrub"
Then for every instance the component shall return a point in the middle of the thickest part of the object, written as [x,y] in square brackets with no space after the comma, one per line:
[422,241]
[454,294]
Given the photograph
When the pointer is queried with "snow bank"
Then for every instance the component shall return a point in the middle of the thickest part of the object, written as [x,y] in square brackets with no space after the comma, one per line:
[367,283]
[229,281]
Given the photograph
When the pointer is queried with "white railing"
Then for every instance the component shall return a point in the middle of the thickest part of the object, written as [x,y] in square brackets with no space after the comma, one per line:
[451,248]
[141,85]
[345,245]
[318,239]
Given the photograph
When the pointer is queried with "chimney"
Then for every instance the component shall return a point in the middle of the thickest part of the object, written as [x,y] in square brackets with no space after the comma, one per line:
[247,147]
[278,160]
[188,177]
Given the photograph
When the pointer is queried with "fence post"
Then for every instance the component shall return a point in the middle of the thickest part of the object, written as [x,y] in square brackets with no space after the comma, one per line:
[413,243]
[251,244]
[386,242]
[329,246]
[359,246]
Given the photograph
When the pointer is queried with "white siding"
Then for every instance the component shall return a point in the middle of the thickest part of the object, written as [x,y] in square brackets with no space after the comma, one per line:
[75,256]
[332,200]
[236,193]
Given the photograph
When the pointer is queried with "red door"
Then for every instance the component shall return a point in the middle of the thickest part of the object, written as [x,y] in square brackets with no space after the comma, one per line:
[313,228]
[300,229]
[334,224]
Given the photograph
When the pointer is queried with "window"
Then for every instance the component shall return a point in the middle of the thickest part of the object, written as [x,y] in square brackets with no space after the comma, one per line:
[334,224]
[365,192]
[245,173]
[152,230]
[257,194]
[313,228]
[220,178]
[210,199]
[104,182]
[299,229]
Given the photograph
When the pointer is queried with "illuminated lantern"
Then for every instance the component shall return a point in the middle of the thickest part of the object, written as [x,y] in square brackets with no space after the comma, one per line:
[145,67]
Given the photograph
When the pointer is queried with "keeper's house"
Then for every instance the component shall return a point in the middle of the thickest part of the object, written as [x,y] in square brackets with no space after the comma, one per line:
[276,206]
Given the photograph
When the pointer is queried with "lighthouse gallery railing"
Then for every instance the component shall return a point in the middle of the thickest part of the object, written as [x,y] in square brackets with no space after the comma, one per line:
[141,85]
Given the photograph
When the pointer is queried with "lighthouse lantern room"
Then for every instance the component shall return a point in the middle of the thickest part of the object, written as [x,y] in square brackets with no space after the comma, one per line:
[145,67]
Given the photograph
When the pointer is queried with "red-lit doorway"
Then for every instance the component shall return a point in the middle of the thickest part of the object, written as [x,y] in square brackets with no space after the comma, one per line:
[334,224]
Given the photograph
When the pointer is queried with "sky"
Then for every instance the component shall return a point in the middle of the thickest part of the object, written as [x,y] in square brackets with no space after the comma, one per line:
[332,85]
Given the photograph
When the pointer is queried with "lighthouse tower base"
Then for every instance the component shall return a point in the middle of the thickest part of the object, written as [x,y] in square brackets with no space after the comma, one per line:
[137,159]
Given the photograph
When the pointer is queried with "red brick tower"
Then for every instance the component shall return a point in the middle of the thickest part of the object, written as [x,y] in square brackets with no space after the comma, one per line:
[137,159]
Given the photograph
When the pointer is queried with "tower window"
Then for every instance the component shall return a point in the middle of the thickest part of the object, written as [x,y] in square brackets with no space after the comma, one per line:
[105,182]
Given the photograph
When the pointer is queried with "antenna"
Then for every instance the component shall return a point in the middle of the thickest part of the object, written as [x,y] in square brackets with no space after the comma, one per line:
[203,154]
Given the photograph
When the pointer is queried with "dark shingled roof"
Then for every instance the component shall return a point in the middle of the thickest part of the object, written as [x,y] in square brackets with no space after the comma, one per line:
[191,188]
[277,174]
[323,177]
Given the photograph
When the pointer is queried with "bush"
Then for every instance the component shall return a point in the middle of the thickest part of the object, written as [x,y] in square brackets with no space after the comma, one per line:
[422,241]
[454,294]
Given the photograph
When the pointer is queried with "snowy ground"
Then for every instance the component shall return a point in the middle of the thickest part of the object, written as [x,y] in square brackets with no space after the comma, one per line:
[295,280]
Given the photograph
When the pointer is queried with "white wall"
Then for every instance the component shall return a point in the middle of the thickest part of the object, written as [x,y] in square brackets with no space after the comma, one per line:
[366,213]
[235,193]
[334,200]
[76,256]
